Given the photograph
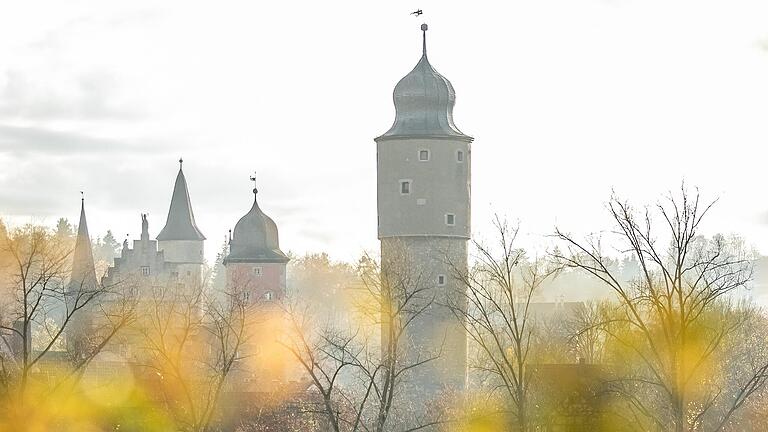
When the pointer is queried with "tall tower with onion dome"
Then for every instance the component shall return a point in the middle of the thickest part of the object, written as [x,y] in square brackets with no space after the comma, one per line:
[180,239]
[423,190]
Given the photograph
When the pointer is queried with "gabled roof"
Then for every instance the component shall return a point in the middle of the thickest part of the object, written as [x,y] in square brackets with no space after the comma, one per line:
[180,224]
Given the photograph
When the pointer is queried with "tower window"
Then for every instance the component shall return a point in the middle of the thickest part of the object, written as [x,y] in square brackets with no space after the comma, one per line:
[459,156]
[258,271]
[405,187]
[145,270]
[423,155]
[269,295]
[440,280]
[247,296]
[450,219]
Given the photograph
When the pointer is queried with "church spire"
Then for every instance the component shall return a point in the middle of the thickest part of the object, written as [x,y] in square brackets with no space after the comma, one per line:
[83,269]
[180,224]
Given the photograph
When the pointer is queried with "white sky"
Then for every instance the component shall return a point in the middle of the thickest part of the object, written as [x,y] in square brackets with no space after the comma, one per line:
[566,99]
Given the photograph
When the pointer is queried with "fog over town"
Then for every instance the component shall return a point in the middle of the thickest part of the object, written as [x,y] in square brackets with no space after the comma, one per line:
[445,216]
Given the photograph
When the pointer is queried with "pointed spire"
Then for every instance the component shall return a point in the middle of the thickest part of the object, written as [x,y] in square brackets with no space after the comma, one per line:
[83,268]
[180,224]
[424,28]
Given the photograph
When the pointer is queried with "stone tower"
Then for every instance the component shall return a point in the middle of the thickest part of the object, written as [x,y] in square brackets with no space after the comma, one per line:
[180,239]
[423,190]
[255,268]
[255,262]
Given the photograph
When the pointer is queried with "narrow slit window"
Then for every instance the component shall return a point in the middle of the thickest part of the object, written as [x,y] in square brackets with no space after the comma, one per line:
[459,156]
[405,187]
[450,219]
[440,280]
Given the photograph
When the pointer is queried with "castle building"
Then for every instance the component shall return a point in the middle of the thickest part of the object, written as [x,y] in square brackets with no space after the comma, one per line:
[143,262]
[176,256]
[423,199]
[255,268]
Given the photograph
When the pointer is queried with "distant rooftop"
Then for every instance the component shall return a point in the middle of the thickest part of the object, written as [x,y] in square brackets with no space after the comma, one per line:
[180,224]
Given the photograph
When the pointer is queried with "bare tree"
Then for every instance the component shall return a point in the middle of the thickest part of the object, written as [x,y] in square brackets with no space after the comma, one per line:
[192,342]
[674,318]
[498,318]
[586,337]
[361,378]
[37,274]
[329,356]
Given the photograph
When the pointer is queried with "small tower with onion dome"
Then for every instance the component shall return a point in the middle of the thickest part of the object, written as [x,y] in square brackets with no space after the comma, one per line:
[255,268]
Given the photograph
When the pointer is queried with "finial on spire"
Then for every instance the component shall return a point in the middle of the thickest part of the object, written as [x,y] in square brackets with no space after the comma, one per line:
[181,161]
[424,28]
[253,179]
[82,196]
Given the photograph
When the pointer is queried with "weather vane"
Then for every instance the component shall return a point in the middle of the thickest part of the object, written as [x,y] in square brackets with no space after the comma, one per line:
[417,12]
[253,179]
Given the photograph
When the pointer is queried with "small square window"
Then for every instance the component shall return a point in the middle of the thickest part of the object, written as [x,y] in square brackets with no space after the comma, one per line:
[257,271]
[405,187]
[450,219]
[423,155]
[145,271]
[459,156]
[440,280]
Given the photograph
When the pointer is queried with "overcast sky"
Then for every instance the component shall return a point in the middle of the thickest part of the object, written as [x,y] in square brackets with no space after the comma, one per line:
[567,100]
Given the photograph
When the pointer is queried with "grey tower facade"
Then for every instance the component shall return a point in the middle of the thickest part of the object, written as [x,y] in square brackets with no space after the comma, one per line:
[180,239]
[423,181]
